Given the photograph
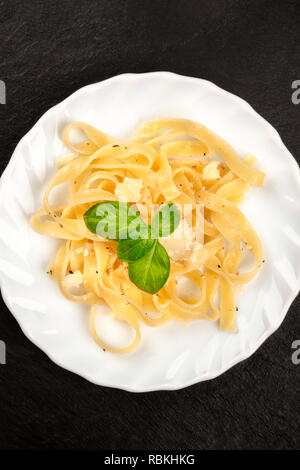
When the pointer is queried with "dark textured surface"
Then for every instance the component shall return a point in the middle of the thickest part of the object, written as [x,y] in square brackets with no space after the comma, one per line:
[48,49]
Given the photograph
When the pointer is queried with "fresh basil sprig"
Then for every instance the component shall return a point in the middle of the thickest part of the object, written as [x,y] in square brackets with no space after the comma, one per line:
[151,271]
[138,245]
[132,250]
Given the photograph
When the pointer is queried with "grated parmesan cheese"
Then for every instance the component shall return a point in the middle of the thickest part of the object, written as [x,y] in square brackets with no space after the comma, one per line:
[73,280]
[129,189]
[180,243]
[211,171]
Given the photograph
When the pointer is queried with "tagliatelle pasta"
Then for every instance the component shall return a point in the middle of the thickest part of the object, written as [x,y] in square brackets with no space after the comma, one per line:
[166,161]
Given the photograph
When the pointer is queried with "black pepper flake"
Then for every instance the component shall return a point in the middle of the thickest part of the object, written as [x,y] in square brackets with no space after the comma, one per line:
[116,145]
[103,349]
[236,309]
[219,266]
[61,225]
[97,272]
[71,272]
[263,260]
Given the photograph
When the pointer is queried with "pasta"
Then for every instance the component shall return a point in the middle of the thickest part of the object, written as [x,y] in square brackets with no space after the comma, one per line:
[166,160]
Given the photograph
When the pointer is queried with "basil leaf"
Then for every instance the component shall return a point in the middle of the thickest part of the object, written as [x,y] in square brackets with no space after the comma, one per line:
[148,261]
[131,250]
[151,272]
[165,221]
[115,220]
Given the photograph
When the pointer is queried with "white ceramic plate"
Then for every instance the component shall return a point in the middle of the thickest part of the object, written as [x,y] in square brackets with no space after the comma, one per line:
[175,355]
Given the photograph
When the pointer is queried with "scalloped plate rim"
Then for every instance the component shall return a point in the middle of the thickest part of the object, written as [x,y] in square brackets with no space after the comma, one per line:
[268,332]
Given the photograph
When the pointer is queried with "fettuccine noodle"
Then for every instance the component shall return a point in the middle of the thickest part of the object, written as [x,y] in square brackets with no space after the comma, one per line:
[172,160]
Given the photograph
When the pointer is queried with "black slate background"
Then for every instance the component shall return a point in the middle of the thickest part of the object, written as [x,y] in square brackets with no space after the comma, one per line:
[48,49]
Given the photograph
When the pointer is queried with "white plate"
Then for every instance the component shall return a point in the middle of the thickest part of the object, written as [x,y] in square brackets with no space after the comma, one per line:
[175,355]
